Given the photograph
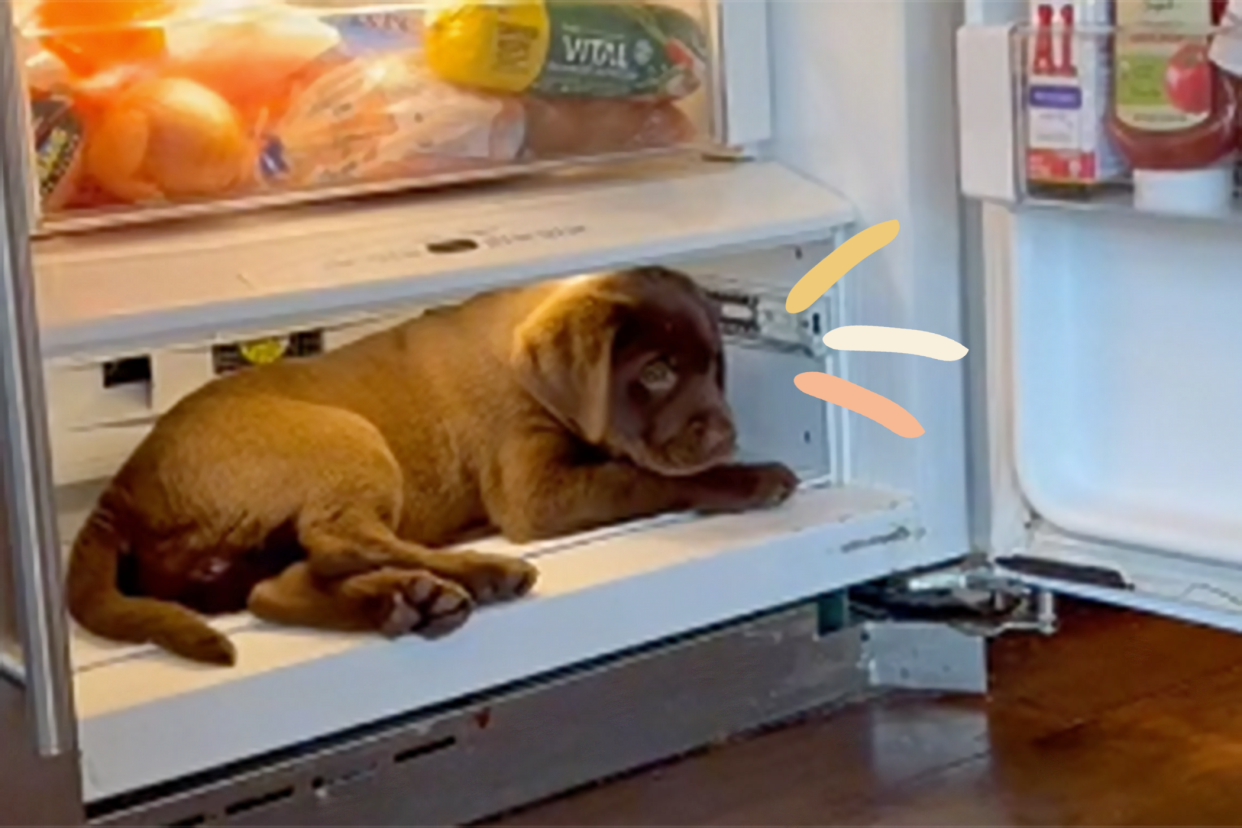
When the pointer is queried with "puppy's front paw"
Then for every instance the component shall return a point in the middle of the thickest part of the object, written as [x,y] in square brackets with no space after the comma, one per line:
[743,488]
[491,578]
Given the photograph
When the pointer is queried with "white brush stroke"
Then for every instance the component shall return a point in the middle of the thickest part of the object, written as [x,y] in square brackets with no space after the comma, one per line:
[896,341]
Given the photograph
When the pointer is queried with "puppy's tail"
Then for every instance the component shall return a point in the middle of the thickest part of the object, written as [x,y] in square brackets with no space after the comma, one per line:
[97,603]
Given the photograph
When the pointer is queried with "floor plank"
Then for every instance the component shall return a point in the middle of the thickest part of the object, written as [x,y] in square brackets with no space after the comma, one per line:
[1103,658]
[821,767]
[1119,719]
[1169,759]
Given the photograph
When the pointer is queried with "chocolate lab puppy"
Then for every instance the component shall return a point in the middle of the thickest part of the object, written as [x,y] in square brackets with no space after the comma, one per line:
[317,493]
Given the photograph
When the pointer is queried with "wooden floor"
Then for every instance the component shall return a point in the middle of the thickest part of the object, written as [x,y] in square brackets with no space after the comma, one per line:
[1118,720]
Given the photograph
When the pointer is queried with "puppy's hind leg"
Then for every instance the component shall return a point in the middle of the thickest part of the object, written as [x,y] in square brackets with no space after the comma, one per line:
[354,540]
[393,602]
[348,525]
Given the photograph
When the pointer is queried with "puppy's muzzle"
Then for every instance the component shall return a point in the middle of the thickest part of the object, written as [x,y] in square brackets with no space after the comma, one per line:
[716,438]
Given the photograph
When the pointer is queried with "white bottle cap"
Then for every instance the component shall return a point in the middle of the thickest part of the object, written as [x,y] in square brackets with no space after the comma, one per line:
[1226,48]
[1207,191]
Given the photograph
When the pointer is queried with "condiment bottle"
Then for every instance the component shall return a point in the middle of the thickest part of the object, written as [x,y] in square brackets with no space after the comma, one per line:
[1226,54]
[1068,153]
[1174,114]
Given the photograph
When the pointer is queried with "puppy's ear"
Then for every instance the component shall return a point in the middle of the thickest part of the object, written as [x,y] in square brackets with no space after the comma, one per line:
[563,355]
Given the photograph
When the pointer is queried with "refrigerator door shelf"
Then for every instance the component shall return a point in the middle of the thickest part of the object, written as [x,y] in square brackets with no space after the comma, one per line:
[112,291]
[1035,106]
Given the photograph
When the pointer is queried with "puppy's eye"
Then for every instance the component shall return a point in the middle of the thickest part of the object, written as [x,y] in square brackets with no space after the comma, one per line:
[658,377]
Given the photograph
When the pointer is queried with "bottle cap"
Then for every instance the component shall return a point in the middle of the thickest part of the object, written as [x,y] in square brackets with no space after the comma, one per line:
[1205,191]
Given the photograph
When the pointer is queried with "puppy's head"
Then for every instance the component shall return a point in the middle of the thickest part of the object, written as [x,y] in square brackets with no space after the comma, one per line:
[632,362]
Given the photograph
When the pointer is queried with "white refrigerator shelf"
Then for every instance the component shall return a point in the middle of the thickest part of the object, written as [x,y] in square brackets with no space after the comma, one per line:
[112,290]
[598,594]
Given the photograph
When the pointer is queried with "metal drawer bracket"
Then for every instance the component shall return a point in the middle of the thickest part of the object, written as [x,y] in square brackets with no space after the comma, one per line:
[973,596]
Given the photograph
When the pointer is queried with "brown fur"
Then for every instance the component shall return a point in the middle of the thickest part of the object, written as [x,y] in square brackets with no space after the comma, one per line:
[315,492]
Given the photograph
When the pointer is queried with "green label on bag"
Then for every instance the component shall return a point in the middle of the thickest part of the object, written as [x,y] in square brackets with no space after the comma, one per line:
[621,50]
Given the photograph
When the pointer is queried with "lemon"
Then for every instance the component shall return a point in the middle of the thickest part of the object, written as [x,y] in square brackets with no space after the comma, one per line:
[501,46]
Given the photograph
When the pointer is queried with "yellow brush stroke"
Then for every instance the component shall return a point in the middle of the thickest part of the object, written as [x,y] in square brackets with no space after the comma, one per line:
[895,341]
[838,263]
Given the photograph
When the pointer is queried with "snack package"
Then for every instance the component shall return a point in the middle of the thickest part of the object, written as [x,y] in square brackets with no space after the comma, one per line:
[59,142]
[387,117]
[574,48]
[568,127]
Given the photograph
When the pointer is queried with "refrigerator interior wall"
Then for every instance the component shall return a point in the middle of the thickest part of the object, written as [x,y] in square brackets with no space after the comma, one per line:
[861,104]
[101,406]
[126,696]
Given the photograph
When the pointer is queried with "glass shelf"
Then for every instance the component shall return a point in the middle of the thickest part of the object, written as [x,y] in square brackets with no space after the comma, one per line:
[150,109]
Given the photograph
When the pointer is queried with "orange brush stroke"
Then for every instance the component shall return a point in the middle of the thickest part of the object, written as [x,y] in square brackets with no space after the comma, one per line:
[861,401]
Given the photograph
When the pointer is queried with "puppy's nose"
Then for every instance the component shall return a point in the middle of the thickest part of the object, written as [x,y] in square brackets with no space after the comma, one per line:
[714,434]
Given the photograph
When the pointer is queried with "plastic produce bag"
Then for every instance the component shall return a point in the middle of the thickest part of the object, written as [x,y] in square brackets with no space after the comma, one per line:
[388,117]
[572,48]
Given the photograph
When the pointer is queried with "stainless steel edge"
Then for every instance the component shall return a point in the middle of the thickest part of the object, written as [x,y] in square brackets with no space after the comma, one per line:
[719,102]
[25,467]
[471,762]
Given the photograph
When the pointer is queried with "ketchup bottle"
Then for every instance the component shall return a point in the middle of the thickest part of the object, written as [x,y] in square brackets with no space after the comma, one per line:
[1174,114]
[1226,54]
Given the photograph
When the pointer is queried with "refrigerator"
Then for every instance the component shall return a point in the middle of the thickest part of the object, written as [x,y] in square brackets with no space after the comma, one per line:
[1081,446]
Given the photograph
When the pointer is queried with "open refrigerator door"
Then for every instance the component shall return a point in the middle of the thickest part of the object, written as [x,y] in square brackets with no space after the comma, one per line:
[193,214]
[1103,139]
